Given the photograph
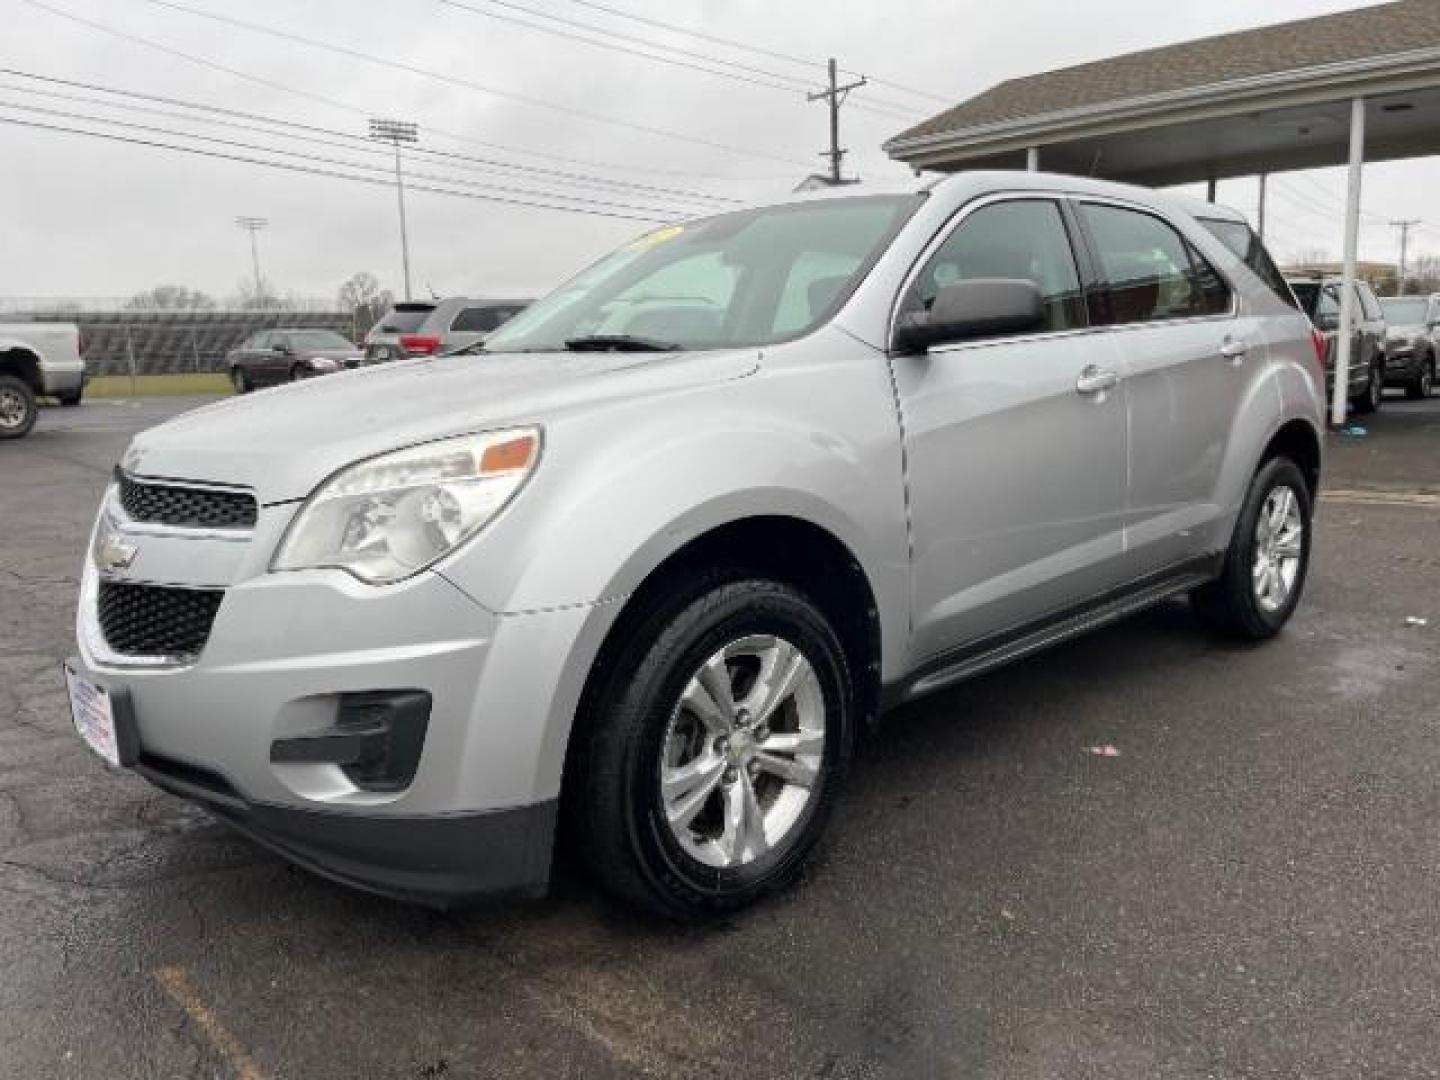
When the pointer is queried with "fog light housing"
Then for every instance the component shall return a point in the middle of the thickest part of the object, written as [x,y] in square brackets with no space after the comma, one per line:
[375,740]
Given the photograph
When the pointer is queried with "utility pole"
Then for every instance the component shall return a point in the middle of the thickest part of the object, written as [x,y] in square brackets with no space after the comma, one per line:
[253,225]
[835,96]
[1404,227]
[397,132]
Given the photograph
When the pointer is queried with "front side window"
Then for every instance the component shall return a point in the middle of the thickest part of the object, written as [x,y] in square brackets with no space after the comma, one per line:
[1024,239]
[741,279]
[1151,272]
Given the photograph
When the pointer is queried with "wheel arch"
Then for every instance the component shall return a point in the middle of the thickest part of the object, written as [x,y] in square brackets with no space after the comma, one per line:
[23,362]
[1300,442]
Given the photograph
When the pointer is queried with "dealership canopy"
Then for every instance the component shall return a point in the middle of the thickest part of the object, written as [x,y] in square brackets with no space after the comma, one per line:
[1356,86]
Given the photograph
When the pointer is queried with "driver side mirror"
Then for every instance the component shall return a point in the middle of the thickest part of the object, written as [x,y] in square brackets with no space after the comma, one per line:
[1327,322]
[980,307]
[281,347]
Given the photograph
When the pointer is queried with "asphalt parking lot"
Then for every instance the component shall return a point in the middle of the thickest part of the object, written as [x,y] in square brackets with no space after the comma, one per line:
[1248,889]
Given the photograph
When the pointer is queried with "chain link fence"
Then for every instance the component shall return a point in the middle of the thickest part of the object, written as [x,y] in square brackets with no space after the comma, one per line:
[139,342]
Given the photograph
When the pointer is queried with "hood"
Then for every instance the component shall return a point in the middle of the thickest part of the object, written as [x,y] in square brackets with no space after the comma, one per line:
[1404,331]
[283,442]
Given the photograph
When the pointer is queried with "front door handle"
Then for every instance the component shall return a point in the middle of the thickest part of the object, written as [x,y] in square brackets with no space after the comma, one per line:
[1096,380]
[1234,351]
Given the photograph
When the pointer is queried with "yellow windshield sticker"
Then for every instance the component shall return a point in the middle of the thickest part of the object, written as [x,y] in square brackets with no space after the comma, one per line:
[658,236]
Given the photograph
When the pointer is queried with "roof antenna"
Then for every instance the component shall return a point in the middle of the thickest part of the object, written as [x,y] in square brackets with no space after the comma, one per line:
[431,290]
[1095,164]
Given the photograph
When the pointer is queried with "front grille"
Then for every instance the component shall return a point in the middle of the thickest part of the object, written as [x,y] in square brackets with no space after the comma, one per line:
[187,507]
[156,620]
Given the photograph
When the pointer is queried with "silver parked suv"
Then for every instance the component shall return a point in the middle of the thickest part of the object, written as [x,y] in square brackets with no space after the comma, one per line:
[423,328]
[655,556]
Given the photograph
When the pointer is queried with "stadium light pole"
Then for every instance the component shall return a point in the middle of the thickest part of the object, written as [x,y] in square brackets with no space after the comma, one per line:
[396,132]
[253,225]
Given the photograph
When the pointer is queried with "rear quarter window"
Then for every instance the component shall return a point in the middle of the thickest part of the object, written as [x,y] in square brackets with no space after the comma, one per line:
[1248,247]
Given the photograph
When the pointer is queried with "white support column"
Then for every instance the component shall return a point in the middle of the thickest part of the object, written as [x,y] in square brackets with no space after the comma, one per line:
[1260,213]
[1032,159]
[1340,396]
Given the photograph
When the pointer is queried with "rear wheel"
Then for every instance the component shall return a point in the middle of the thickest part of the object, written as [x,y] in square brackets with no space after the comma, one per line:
[1374,394]
[297,372]
[713,754]
[240,379]
[18,408]
[1268,558]
[1423,384]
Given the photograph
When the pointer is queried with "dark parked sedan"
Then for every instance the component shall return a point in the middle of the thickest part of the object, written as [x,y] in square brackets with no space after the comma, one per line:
[271,357]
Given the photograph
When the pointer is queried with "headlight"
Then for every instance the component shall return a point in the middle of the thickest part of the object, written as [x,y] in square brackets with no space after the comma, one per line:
[324,363]
[388,518]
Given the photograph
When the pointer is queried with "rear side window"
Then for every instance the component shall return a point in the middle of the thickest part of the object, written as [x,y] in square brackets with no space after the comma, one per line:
[1368,302]
[405,320]
[1023,239]
[1241,239]
[481,319]
[1151,273]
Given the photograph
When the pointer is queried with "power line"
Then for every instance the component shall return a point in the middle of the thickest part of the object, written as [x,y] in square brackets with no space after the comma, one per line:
[455,80]
[312,171]
[657,214]
[290,129]
[329,102]
[773,80]
[756,49]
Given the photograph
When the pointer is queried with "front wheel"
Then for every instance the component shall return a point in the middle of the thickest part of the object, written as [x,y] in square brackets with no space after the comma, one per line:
[713,753]
[240,380]
[1423,384]
[1268,558]
[18,408]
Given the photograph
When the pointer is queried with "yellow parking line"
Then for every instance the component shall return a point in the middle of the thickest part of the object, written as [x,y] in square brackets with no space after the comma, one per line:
[180,990]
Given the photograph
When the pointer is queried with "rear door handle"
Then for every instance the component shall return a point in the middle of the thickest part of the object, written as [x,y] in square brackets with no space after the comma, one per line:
[1095,380]
[1234,350]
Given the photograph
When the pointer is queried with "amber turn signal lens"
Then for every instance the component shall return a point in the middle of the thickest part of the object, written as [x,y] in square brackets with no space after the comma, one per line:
[505,456]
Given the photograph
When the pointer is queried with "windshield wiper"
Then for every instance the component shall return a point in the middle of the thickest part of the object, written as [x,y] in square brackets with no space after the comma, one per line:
[618,343]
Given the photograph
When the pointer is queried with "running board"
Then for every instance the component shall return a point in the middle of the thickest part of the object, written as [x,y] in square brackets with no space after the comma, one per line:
[986,655]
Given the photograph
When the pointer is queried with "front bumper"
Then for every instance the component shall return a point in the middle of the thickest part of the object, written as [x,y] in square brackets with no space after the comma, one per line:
[287,651]
[1401,367]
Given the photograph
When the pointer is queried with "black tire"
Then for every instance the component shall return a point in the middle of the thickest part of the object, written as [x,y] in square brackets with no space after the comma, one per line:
[297,372]
[1420,387]
[1374,394]
[240,380]
[71,400]
[615,804]
[18,407]
[1229,605]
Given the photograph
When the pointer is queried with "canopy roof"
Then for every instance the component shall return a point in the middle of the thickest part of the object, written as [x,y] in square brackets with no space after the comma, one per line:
[1261,100]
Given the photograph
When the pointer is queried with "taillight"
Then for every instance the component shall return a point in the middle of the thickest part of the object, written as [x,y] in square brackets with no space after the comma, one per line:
[419,344]
[1318,340]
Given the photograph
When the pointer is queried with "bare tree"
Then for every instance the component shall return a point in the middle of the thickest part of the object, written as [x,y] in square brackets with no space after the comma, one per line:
[170,298]
[1423,274]
[365,300]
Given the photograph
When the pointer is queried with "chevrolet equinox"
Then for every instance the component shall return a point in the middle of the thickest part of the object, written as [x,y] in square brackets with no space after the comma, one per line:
[649,560]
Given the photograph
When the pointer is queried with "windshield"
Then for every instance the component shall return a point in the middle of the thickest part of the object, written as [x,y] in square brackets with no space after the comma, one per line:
[319,339]
[1404,310]
[750,278]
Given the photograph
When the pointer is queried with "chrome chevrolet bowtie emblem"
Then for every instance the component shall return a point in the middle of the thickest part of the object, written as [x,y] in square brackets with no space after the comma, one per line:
[114,553]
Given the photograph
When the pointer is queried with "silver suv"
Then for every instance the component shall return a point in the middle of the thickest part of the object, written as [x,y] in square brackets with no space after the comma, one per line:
[423,328]
[655,556]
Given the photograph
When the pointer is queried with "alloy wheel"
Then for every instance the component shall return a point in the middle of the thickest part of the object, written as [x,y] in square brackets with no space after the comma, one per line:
[13,409]
[1279,544]
[742,751]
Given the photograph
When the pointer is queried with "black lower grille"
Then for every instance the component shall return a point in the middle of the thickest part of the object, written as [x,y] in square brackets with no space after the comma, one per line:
[156,620]
[187,507]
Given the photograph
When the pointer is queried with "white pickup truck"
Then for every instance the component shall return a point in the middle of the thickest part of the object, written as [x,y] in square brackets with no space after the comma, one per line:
[37,359]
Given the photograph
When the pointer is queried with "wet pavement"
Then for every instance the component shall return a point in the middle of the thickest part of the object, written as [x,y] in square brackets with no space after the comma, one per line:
[1248,889]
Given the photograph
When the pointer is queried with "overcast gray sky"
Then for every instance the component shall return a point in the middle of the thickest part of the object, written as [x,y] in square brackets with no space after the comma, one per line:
[84,217]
